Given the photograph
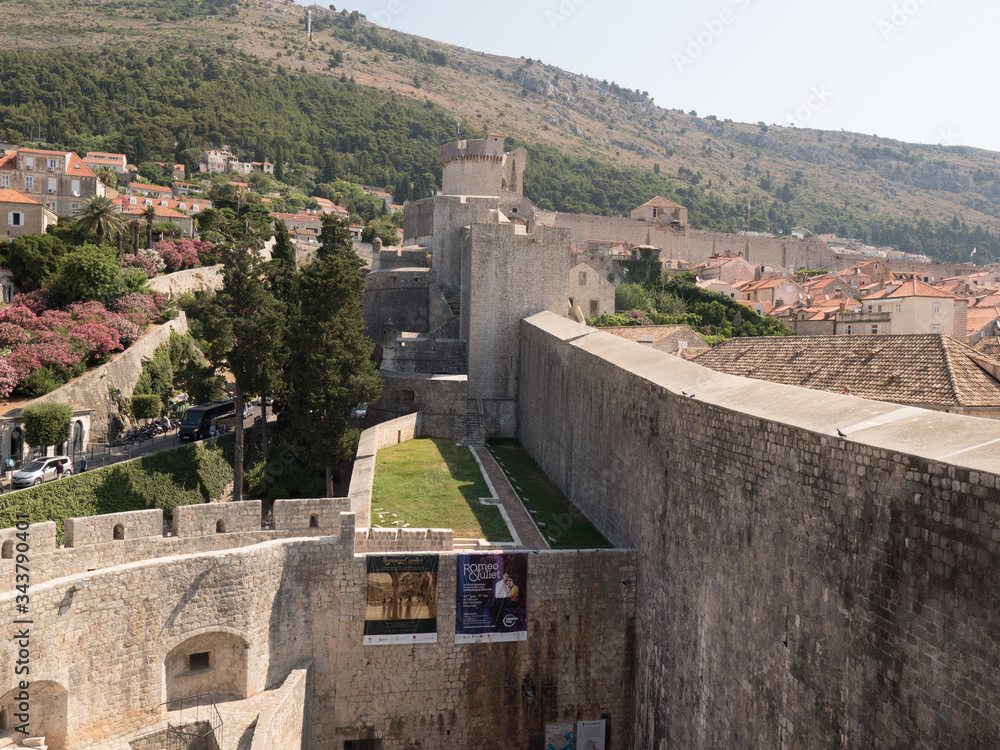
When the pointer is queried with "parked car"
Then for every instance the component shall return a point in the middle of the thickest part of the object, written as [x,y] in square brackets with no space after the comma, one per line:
[42,470]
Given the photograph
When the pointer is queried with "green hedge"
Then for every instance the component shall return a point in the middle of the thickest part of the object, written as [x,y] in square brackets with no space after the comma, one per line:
[188,475]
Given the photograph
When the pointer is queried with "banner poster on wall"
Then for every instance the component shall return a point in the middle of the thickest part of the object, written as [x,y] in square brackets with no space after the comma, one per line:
[559,736]
[491,598]
[401,605]
[590,735]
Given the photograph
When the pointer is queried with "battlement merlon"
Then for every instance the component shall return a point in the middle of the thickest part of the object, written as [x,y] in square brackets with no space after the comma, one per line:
[489,147]
[481,167]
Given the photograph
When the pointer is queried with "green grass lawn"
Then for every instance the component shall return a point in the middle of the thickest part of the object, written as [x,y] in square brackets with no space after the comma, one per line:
[565,526]
[433,483]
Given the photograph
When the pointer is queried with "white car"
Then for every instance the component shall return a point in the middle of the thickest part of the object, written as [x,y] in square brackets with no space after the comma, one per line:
[42,470]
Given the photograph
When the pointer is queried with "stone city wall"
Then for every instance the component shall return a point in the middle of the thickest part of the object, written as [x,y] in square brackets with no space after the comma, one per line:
[285,722]
[207,278]
[440,400]
[506,275]
[401,296]
[107,649]
[90,542]
[815,570]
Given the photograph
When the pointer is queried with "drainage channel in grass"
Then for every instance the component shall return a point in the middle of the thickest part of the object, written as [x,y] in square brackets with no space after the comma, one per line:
[561,522]
[433,483]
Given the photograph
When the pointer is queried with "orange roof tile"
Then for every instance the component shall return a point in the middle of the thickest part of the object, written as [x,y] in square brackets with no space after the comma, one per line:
[923,369]
[13,196]
[910,288]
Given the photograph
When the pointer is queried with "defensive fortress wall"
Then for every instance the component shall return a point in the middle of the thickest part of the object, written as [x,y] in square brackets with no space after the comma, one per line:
[814,570]
[128,615]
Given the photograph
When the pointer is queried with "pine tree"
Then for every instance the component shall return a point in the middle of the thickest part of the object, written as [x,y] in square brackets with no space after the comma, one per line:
[330,367]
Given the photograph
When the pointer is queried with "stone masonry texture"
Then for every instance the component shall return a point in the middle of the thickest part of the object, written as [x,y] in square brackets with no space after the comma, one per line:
[796,588]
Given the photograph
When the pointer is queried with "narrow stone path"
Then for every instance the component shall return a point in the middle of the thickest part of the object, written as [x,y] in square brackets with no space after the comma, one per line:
[531,537]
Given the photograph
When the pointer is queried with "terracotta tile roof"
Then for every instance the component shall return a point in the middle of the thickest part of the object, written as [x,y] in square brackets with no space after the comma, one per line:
[991,300]
[910,288]
[13,196]
[76,167]
[166,213]
[150,188]
[977,317]
[660,202]
[990,346]
[923,369]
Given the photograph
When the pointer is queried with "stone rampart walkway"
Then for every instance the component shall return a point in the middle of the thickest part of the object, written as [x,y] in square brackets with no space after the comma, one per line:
[531,537]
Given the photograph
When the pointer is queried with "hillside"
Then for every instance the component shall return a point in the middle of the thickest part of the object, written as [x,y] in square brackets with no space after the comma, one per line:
[594,146]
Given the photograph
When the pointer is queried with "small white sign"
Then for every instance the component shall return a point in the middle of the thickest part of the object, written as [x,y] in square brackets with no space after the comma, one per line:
[590,735]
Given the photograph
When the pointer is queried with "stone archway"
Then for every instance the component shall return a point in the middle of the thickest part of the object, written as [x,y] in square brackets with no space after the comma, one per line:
[48,709]
[213,661]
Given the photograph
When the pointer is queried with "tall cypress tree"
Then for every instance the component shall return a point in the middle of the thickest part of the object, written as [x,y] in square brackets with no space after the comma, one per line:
[247,332]
[330,367]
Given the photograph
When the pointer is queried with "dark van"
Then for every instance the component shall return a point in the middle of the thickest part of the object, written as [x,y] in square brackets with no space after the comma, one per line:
[198,419]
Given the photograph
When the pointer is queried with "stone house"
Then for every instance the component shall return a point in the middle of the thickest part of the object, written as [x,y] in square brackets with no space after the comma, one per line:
[95,159]
[717,285]
[163,213]
[21,214]
[13,445]
[781,291]
[917,307]
[58,180]
[728,268]
[590,290]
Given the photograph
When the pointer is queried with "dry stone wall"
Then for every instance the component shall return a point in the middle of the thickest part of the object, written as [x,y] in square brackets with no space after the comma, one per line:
[797,588]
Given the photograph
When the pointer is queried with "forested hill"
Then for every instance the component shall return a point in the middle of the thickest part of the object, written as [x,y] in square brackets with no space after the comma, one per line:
[162,79]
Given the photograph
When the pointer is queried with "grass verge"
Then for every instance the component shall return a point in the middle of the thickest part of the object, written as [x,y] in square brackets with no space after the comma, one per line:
[433,483]
[565,527]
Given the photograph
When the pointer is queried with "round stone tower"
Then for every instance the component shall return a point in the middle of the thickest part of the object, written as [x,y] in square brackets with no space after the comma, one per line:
[473,167]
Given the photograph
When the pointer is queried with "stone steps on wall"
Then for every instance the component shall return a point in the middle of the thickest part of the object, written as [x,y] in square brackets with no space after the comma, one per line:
[455,304]
[475,437]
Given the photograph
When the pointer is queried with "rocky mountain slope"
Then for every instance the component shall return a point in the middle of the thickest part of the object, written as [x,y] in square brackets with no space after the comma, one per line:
[822,180]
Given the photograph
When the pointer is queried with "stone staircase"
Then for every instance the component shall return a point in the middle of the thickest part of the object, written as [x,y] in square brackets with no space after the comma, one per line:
[455,303]
[475,436]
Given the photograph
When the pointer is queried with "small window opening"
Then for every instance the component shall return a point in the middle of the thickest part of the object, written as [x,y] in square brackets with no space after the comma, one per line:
[199,661]
[4,721]
[8,550]
[220,526]
[119,531]
[313,522]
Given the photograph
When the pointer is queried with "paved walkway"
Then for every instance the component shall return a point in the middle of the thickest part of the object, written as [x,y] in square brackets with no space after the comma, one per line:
[531,537]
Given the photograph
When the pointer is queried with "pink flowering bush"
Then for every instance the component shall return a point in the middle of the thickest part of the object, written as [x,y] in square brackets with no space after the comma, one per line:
[42,348]
[143,262]
[180,254]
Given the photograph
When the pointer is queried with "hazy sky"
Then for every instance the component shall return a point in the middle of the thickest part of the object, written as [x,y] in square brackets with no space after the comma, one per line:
[914,70]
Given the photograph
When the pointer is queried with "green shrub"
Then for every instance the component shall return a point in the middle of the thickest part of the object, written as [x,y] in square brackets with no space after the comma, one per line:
[188,475]
[39,382]
[146,406]
[47,424]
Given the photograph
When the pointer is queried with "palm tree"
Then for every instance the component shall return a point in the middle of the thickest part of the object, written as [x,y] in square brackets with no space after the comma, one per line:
[150,213]
[100,214]
[107,175]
